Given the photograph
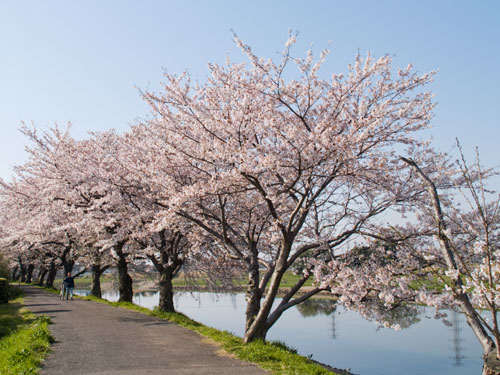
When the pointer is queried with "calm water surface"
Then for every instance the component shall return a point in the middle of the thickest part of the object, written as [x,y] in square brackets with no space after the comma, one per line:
[344,339]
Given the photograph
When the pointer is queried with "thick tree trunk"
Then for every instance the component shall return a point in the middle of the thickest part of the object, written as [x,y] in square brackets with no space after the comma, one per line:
[68,266]
[49,282]
[259,327]
[29,273]
[97,271]
[41,275]
[168,265]
[96,281]
[124,279]
[253,297]
[166,290]
[125,289]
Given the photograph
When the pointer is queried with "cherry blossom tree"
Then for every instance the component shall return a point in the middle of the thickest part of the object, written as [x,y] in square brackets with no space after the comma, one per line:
[165,244]
[51,198]
[446,257]
[272,169]
[20,238]
[468,247]
[91,206]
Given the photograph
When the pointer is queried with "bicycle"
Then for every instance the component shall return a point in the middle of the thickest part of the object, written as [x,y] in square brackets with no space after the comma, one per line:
[63,291]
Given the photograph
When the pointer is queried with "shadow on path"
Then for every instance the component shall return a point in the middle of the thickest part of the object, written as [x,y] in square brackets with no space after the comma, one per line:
[49,311]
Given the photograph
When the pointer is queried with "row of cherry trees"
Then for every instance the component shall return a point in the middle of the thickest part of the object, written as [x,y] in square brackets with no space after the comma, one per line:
[256,174]
[74,201]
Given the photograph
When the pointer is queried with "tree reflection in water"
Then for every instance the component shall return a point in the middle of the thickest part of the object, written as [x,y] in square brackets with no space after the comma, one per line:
[317,306]
[458,352]
[402,315]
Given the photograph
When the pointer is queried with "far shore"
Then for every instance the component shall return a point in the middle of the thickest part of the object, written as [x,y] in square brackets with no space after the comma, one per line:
[148,285]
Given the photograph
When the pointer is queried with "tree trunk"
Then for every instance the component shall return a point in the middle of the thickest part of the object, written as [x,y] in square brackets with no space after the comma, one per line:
[14,274]
[474,322]
[167,266]
[23,273]
[29,273]
[124,279]
[68,266]
[41,275]
[451,263]
[258,329]
[253,296]
[97,271]
[491,365]
[166,290]
[49,283]
[96,281]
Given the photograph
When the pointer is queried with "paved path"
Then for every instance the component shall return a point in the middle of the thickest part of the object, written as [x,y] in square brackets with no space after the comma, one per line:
[94,338]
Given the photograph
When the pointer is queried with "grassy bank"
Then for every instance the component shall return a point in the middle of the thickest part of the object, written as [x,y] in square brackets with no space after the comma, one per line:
[24,338]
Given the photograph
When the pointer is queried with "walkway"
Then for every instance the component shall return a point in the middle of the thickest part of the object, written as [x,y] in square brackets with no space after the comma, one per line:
[94,338]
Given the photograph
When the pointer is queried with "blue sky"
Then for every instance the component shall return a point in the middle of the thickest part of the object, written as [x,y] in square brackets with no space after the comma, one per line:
[83,61]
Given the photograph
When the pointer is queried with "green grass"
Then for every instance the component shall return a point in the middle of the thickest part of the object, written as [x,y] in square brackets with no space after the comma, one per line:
[434,285]
[24,338]
[290,279]
[272,356]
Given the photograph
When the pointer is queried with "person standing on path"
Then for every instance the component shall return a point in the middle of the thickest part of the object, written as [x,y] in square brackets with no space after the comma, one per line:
[70,285]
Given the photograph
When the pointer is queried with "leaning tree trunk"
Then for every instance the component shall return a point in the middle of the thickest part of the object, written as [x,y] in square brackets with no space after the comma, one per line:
[451,263]
[29,273]
[463,300]
[124,279]
[491,365]
[49,282]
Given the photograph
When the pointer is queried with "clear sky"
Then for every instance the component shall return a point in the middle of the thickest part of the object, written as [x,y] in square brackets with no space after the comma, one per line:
[84,61]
